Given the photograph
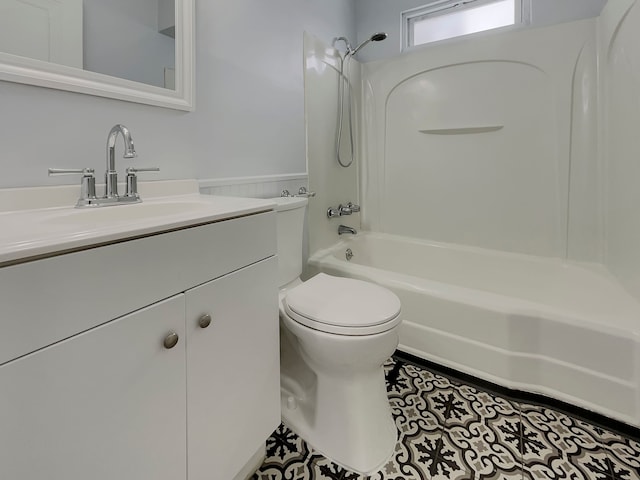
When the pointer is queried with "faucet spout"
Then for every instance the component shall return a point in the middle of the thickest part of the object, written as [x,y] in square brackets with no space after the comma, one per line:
[342,229]
[111,176]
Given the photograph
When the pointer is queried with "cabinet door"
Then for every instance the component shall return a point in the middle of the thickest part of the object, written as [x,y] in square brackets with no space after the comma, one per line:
[106,404]
[233,370]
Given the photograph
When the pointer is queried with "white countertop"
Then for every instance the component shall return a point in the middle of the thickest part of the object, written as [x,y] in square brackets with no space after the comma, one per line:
[42,221]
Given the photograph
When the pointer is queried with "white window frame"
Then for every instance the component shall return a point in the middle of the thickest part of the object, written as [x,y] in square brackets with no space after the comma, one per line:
[442,7]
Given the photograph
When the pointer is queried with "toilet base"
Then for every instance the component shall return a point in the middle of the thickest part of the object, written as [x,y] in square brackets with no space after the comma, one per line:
[347,419]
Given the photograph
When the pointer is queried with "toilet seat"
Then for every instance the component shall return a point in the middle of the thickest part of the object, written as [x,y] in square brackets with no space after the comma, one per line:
[342,306]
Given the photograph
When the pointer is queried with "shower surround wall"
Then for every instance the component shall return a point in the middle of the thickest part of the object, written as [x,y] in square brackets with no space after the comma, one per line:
[620,78]
[332,183]
[489,143]
[559,180]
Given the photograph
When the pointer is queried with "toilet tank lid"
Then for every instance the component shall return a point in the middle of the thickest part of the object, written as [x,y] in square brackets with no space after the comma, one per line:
[343,302]
[289,203]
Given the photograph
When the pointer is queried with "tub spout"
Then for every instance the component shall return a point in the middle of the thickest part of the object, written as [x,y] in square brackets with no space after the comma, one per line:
[342,229]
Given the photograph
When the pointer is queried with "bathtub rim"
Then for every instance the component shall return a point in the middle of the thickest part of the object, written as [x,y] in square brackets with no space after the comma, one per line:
[474,297]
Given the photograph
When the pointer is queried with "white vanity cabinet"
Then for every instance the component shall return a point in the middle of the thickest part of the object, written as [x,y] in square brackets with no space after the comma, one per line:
[90,389]
[106,404]
[233,402]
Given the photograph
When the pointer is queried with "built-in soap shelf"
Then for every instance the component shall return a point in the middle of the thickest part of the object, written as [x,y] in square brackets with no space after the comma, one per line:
[462,130]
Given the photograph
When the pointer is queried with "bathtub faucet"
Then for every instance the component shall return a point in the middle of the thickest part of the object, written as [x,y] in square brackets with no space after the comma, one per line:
[342,210]
[342,229]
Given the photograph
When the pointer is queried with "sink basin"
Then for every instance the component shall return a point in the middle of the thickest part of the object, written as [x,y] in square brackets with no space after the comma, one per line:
[126,213]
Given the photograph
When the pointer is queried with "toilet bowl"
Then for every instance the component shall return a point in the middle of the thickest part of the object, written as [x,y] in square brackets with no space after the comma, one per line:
[336,334]
[333,349]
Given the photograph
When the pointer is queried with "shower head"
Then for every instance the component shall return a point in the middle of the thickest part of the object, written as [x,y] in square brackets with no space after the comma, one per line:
[376,37]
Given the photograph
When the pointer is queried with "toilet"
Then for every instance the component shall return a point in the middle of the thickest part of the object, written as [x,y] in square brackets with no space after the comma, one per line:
[335,335]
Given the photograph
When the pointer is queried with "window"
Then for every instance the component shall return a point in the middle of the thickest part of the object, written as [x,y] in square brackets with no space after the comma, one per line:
[444,19]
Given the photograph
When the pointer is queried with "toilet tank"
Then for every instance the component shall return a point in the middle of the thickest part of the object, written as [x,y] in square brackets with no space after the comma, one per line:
[290,224]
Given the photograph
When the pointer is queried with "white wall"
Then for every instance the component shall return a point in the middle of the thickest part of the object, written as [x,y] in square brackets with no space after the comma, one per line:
[256,116]
[521,188]
[385,15]
[118,34]
[549,12]
[249,117]
[620,64]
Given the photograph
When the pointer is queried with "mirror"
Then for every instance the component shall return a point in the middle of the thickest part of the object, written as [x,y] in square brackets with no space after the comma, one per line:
[135,50]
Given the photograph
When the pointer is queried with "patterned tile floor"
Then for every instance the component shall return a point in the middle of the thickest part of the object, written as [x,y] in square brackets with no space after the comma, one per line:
[448,430]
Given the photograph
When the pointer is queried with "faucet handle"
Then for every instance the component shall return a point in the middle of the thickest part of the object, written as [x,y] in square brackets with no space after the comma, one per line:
[333,212]
[87,185]
[71,171]
[344,210]
[132,179]
[142,169]
[303,192]
[353,207]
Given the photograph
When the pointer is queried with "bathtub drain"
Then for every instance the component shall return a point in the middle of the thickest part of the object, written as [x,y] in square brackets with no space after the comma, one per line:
[348,254]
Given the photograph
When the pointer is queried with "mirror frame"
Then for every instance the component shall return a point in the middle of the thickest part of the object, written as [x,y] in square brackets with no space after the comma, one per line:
[29,71]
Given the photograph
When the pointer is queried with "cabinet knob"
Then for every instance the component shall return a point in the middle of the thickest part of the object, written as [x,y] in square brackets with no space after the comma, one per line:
[204,321]
[171,340]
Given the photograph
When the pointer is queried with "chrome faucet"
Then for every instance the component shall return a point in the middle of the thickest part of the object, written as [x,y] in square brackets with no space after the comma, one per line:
[88,187]
[111,176]
[342,210]
[342,229]
[302,192]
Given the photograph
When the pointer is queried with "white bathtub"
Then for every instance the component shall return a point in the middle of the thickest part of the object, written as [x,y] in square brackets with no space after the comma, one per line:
[546,326]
